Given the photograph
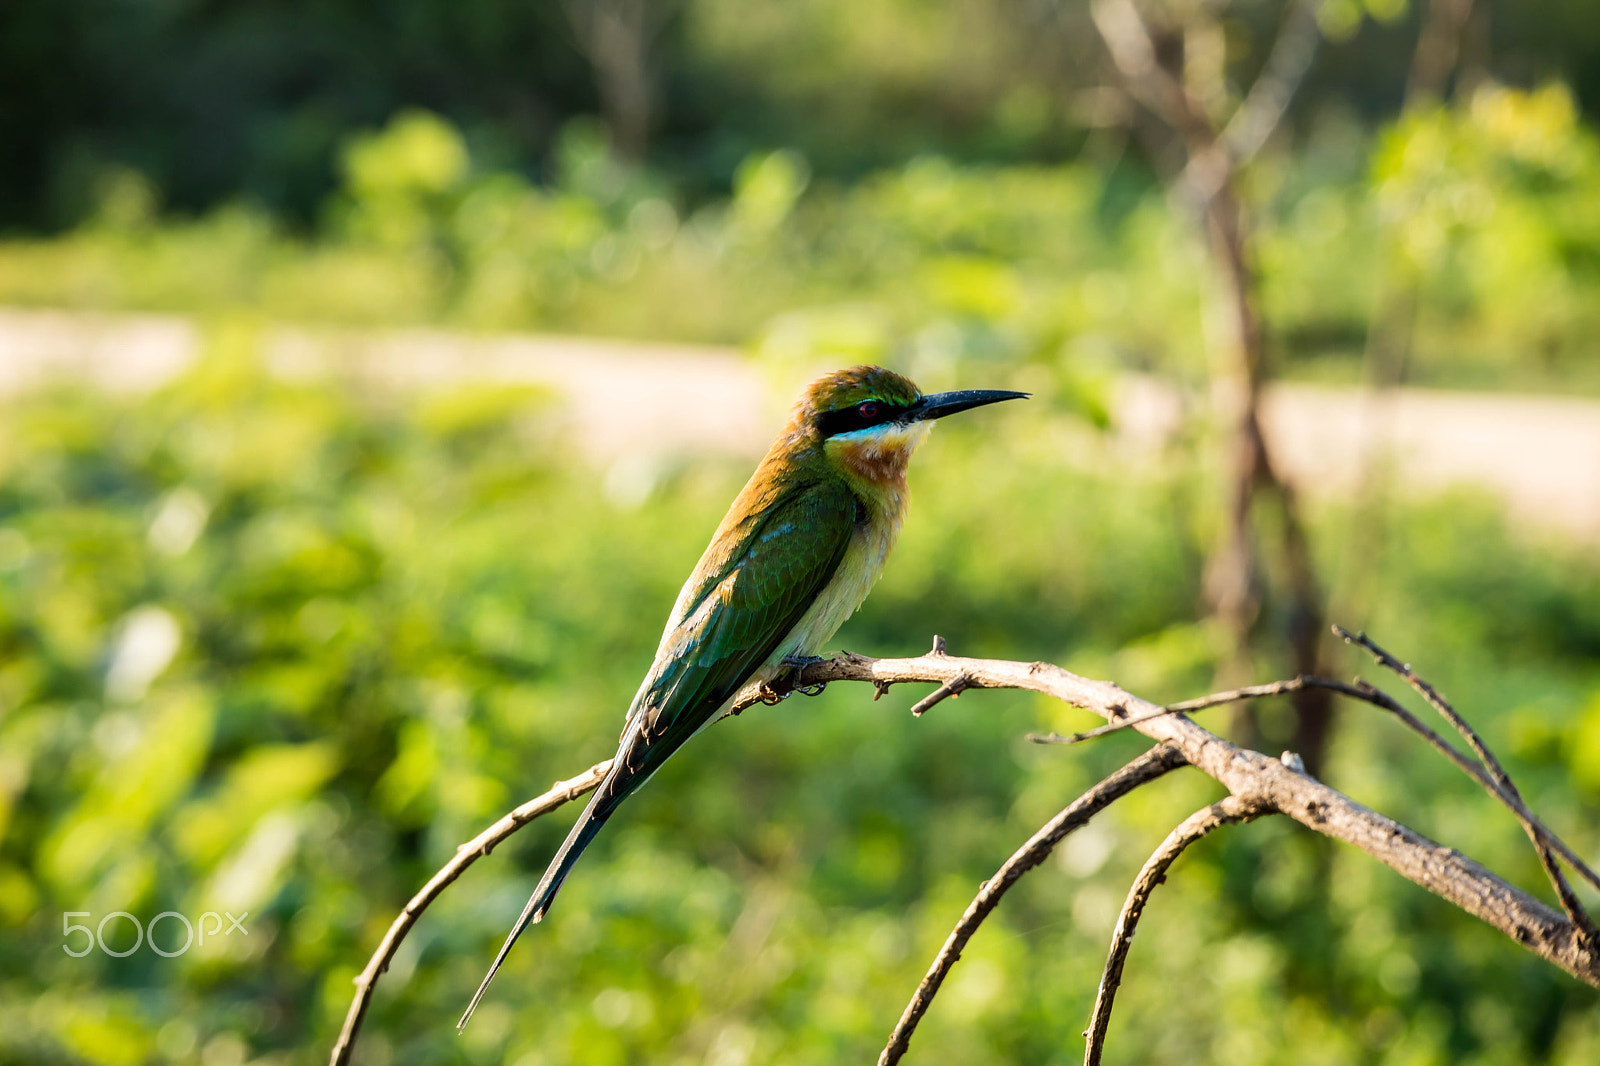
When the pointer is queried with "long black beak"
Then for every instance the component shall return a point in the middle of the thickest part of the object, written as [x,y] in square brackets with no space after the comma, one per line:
[939,404]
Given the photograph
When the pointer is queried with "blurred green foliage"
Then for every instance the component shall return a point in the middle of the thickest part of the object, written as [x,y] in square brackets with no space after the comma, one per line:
[222,101]
[279,648]
[249,101]
[275,648]
[1489,212]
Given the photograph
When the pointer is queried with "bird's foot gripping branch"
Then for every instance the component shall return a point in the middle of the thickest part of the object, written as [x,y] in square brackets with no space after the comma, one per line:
[1258,785]
[779,689]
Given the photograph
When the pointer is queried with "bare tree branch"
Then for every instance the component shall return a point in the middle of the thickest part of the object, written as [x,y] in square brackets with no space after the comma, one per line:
[1437,48]
[561,793]
[1228,811]
[1134,53]
[1444,872]
[619,37]
[1146,768]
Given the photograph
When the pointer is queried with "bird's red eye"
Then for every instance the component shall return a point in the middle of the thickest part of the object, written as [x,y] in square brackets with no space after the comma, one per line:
[868,410]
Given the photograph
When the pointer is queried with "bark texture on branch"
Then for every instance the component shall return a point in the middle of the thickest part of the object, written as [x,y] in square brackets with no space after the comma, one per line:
[1251,775]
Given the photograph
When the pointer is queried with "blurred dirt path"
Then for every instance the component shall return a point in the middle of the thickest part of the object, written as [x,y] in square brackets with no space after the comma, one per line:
[634,401]
[623,396]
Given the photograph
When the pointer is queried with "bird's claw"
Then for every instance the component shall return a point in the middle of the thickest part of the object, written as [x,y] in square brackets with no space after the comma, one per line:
[797,665]
[771,696]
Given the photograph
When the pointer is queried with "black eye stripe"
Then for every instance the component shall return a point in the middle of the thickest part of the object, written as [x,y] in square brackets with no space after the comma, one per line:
[870,412]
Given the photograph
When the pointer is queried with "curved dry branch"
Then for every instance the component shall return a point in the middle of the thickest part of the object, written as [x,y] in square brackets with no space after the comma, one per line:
[561,793]
[1443,871]
[1146,768]
[1228,811]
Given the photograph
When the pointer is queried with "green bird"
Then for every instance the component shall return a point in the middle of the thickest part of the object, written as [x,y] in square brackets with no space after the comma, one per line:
[793,558]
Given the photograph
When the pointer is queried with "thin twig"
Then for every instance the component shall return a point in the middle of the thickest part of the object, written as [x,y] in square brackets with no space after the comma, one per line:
[1228,811]
[1436,701]
[561,793]
[1360,690]
[950,689]
[1146,768]
[1505,790]
[1217,699]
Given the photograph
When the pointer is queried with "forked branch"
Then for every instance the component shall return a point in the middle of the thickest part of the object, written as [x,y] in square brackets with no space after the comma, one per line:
[1499,783]
[1146,768]
[1543,838]
[1257,783]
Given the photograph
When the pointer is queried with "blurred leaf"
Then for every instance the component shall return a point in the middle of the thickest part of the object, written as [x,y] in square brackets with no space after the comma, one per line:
[1584,748]
[264,779]
[151,763]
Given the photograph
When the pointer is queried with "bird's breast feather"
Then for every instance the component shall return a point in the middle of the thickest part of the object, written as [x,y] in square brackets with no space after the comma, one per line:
[878,455]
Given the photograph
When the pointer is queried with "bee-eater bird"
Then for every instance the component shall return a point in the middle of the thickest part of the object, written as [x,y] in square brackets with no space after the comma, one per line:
[793,558]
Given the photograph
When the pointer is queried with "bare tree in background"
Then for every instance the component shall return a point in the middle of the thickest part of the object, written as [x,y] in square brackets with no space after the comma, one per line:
[618,37]
[1438,50]
[1173,61]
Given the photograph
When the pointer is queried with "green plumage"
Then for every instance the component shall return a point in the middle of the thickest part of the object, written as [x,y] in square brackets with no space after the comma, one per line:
[794,556]
[752,586]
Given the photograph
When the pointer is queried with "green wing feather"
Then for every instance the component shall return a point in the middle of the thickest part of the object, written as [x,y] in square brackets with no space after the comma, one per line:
[753,585]
[739,612]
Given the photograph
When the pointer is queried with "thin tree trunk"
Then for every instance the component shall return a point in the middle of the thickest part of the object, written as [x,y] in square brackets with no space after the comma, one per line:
[618,37]
[1234,578]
